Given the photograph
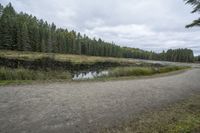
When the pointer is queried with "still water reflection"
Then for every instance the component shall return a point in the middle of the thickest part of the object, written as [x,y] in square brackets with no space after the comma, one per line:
[89,75]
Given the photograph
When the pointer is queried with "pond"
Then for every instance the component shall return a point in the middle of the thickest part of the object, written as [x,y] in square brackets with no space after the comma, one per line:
[89,75]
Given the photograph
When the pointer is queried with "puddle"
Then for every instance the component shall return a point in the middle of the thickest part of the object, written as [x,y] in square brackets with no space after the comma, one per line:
[89,75]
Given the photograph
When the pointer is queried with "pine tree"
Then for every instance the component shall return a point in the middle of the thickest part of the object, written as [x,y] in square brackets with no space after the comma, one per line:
[19,37]
[43,46]
[36,40]
[1,10]
[25,38]
[7,24]
[20,31]
[196,5]
[78,43]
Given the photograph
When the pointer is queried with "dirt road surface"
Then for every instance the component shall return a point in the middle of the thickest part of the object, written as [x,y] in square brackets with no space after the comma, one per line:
[87,106]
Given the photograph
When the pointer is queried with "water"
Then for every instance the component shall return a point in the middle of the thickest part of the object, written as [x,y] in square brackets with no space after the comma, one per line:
[89,75]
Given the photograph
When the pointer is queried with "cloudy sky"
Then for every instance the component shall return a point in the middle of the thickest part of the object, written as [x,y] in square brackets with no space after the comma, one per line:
[147,24]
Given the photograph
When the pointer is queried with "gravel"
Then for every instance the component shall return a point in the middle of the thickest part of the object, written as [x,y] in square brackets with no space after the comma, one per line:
[88,106]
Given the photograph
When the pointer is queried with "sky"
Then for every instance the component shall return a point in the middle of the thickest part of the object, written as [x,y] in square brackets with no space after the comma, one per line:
[153,25]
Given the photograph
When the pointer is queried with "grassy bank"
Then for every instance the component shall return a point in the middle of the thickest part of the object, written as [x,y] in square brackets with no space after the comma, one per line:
[22,75]
[182,117]
[8,74]
[142,71]
[19,66]
[72,63]
[76,59]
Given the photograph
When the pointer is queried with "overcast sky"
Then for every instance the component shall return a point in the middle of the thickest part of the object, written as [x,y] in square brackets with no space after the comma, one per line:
[147,24]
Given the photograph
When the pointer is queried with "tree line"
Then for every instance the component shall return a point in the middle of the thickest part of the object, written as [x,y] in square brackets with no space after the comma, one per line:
[174,55]
[197,58]
[23,32]
[20,31]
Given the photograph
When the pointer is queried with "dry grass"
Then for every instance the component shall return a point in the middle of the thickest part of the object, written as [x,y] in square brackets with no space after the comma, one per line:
[60,57]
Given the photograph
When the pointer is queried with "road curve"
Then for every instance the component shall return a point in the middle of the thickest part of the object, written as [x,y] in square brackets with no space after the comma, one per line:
[83,107]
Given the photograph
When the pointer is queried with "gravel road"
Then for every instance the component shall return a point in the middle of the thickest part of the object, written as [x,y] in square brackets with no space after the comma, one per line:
[85,106]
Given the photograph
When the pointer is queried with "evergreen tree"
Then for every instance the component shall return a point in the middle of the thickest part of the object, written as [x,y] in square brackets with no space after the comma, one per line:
[196,5]
[43,46]
[25,38]
[19,37]
[1,10]
[20,31]
[49,42]
[7,28]
[78,43]
[1,28]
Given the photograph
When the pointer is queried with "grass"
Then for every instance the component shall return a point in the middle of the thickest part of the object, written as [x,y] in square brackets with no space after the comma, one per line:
[21,74]
[142,71]
[14,82]
[77,59]
[182,117]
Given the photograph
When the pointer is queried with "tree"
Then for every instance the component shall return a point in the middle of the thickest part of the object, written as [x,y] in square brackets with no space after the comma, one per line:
[25,38]
[78,43]
[1,10]
[196,5]
[197,58]
[7,28]
[20,31]
[1,29]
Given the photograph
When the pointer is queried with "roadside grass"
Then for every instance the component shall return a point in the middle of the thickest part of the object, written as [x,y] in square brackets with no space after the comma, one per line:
[142,71]
[14,82]
[20,74]
[181,117]
[25,76]
[76,59]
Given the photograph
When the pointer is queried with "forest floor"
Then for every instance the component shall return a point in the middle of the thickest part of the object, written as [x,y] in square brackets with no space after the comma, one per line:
[93,106]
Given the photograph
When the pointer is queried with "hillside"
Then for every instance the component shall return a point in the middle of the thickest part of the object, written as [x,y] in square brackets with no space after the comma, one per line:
[23,32]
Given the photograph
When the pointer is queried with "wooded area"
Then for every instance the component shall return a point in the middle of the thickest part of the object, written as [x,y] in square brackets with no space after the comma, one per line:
[23,32]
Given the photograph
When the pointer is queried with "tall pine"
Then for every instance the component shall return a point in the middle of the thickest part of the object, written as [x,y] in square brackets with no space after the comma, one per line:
[7,26]
[196,5]
[25,38]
